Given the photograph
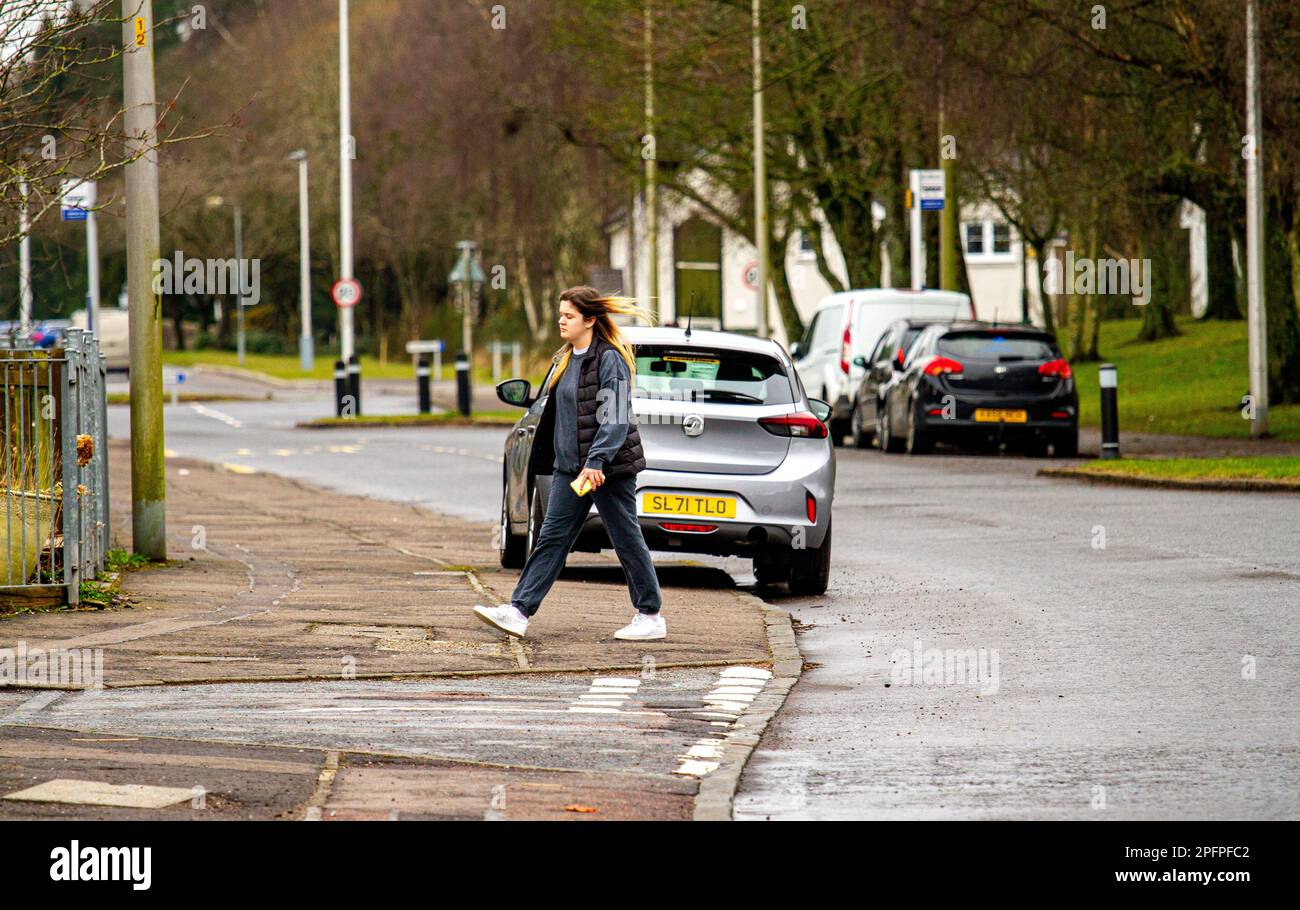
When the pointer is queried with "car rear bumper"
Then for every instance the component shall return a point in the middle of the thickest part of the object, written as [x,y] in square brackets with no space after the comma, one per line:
[771,509]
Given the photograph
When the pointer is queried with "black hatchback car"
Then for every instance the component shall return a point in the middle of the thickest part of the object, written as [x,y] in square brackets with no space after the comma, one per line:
[885,359]
[977,382]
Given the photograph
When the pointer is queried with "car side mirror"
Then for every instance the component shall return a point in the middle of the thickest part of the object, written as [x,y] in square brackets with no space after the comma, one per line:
[821,410]
[860,361]
[796,351]
[515,392]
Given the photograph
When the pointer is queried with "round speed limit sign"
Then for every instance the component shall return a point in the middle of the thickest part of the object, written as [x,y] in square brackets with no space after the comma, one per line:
[346,292]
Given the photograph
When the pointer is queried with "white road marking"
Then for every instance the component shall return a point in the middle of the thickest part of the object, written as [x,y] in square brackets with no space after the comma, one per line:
[608,692]
[216,415]
[731,694]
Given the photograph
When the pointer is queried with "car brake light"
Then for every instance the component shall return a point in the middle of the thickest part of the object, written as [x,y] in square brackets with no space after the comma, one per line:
[810,503]
[935,412]
[1060,368]
[802,423]
[694,529]
[939,365]
[1060,415]
[845,350]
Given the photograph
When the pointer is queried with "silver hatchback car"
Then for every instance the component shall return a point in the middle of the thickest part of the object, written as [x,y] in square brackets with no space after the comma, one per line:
[738,458]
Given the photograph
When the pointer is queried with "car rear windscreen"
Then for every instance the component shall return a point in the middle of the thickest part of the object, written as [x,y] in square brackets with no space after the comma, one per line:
[717,375]
[996,346]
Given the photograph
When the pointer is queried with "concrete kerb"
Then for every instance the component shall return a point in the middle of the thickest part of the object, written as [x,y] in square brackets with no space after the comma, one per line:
[1242,485]
[714,800]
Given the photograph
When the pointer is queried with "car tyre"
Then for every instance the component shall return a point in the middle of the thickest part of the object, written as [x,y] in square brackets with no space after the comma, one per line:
[885,432]
[514,547]
[1066,444]
[810,570]
[770,572]
[861,435]
[919,442]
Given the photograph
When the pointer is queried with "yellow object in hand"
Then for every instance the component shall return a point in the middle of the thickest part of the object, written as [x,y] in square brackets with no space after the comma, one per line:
[581,485]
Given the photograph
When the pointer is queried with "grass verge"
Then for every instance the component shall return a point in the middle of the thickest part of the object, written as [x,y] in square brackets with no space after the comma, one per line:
[1189,385]
[1261,472]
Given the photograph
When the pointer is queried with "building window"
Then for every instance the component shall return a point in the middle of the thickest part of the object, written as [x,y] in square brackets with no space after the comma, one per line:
[1001,237]
[975,238]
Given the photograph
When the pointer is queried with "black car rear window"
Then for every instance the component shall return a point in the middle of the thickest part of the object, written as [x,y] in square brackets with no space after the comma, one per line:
[710,374]
[997,346]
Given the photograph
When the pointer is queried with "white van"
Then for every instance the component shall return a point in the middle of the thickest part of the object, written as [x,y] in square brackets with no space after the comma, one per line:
[113,333]
[848,324]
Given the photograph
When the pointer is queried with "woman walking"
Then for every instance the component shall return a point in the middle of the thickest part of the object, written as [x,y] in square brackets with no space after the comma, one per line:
[586,438]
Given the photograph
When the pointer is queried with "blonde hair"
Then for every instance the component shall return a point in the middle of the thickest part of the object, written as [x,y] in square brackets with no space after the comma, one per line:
[592,303]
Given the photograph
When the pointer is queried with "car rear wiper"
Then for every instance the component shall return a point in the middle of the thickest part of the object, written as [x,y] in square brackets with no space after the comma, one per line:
[708,394]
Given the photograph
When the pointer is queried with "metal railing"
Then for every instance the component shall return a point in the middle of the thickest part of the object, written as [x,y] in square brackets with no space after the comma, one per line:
[55,473]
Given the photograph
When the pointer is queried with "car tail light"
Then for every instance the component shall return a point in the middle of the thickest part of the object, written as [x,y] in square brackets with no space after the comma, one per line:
[846,349]
[935,412]
[939,365]
[1060,415]
[1060,368]
[802,423]
[810,503]
[693,529]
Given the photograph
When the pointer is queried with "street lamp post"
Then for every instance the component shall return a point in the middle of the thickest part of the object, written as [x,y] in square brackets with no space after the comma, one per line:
[240,343]
[467,278]
[1257,327]
[345,182]
[305,352]
[760,171]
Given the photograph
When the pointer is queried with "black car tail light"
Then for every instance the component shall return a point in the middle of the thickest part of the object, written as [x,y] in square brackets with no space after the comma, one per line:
[938,365]
[1059,368]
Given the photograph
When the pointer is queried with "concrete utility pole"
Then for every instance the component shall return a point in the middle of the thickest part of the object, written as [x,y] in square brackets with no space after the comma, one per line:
[306,353]
[148,485]
[651,167]
[760,173]
[1257,326]
[24,263]
[345,182]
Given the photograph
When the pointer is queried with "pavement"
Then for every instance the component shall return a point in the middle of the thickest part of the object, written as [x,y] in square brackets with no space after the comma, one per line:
[325,645]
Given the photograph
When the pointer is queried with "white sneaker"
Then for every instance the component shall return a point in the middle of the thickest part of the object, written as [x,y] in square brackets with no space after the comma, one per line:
[507,617]
[644,627]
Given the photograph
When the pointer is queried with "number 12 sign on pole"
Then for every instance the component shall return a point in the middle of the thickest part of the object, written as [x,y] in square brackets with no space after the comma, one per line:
[346,292]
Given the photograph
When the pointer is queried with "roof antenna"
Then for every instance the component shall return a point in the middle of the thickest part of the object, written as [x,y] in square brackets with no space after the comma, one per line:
[690,309]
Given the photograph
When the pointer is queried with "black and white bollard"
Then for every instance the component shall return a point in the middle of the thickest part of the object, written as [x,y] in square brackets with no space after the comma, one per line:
[422,382]
[1109,380]
[354,383]
[462,383]
[340,386]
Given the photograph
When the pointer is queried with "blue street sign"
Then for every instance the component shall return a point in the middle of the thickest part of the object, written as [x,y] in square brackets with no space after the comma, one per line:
[74,214]
[931,205]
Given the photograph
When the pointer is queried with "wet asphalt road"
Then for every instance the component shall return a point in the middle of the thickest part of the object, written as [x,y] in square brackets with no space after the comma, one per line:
[1116,680]
[1137,646]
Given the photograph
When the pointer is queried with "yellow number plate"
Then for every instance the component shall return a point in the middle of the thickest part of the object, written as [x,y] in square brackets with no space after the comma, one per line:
[998,415]
[678,504]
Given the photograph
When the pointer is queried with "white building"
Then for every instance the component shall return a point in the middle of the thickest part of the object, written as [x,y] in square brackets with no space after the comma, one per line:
[696,254]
